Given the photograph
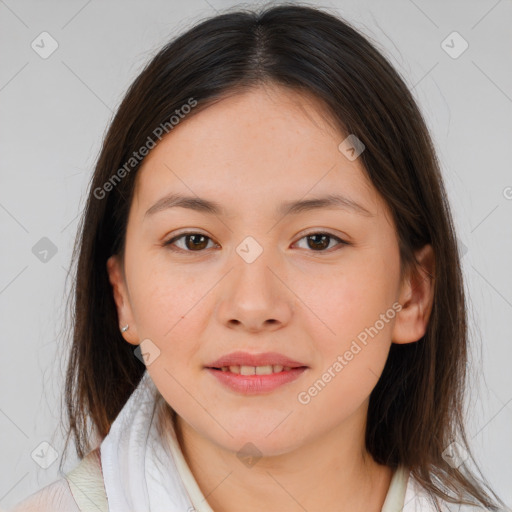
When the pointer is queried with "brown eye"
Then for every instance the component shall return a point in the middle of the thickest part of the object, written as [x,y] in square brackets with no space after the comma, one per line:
[318,242]
[193,242]
[197,242]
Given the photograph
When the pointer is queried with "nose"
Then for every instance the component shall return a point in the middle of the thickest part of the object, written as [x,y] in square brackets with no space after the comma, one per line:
[255,296]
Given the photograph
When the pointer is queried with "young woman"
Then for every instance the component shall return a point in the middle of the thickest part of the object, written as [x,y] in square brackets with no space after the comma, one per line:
[269,306]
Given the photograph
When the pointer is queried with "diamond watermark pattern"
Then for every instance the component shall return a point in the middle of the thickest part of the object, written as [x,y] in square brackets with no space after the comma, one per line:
[351,147]
[44,45]
[455,454]
[44,249]
[249,250]
[147,352]
[454,45]
[44,455]
[249,454]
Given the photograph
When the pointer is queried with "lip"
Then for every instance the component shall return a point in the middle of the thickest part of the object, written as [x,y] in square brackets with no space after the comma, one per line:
[240,358]
[256,384]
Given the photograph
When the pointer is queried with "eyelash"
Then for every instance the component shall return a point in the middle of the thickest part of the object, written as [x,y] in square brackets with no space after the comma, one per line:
[182,235]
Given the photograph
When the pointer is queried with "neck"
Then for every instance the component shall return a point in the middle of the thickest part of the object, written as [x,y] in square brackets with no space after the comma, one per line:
[333,472]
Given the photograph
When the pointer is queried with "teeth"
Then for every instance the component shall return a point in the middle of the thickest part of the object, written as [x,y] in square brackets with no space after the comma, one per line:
[264,370]
[256,370]
[247,370]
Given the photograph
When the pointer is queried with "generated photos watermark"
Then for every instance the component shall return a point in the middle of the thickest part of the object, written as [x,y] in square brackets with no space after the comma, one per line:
[138,156]
[305,397]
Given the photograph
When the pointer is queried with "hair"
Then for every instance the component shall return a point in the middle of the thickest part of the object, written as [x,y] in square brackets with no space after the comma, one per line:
[417,407]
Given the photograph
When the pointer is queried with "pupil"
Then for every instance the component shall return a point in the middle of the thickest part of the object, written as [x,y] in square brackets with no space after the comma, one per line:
[193,238]
[322,243]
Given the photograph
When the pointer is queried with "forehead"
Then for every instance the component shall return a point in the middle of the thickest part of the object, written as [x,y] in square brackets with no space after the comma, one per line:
[266,144]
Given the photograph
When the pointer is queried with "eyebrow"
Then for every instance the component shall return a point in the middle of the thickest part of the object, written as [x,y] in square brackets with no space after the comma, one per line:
[210,207]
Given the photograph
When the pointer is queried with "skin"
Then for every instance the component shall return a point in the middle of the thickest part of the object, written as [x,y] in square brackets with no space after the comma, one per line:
[250,152]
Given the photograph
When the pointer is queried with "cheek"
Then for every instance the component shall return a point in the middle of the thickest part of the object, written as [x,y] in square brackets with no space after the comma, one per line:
[353,346]
[166,296]
[354,320]
[350,299]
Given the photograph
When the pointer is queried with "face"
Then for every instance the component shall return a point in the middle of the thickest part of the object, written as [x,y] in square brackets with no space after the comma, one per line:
[318,285]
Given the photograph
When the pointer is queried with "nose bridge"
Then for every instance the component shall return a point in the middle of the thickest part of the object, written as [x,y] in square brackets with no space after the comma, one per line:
[253,261]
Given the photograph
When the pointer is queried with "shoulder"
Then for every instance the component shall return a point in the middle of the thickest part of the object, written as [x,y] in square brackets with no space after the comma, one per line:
[419,499]
[54,497]
[78,490]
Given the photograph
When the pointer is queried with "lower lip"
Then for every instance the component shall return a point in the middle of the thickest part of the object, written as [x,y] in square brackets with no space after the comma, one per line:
[256,384]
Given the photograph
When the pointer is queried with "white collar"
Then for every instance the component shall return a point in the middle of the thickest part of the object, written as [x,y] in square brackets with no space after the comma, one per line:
[135,467]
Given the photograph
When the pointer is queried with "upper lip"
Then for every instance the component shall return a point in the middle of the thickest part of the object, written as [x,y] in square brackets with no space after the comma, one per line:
[245,359]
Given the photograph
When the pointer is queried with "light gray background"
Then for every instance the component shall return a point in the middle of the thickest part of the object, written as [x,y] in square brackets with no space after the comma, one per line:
[53,114]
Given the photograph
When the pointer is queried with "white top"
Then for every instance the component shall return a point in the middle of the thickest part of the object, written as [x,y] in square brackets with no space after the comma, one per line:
[140,476]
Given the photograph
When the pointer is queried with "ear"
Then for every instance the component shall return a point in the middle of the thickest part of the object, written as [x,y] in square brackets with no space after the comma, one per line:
[416,298]
[124,312]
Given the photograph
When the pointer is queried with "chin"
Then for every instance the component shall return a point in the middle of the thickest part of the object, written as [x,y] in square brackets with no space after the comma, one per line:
[256,441]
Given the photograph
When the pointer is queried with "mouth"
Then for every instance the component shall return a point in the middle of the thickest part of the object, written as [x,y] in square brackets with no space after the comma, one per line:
[255,364]
[255,370]
[246,381]
[252,374]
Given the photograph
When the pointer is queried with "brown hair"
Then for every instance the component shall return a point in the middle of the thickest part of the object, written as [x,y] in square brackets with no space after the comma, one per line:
[416,408]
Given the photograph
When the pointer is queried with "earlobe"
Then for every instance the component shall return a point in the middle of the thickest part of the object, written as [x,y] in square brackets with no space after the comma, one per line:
[416,298]
[124,313]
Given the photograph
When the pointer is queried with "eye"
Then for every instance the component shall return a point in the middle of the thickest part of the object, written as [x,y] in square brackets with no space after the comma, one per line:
[196,242]
[192,242]
[320,240]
